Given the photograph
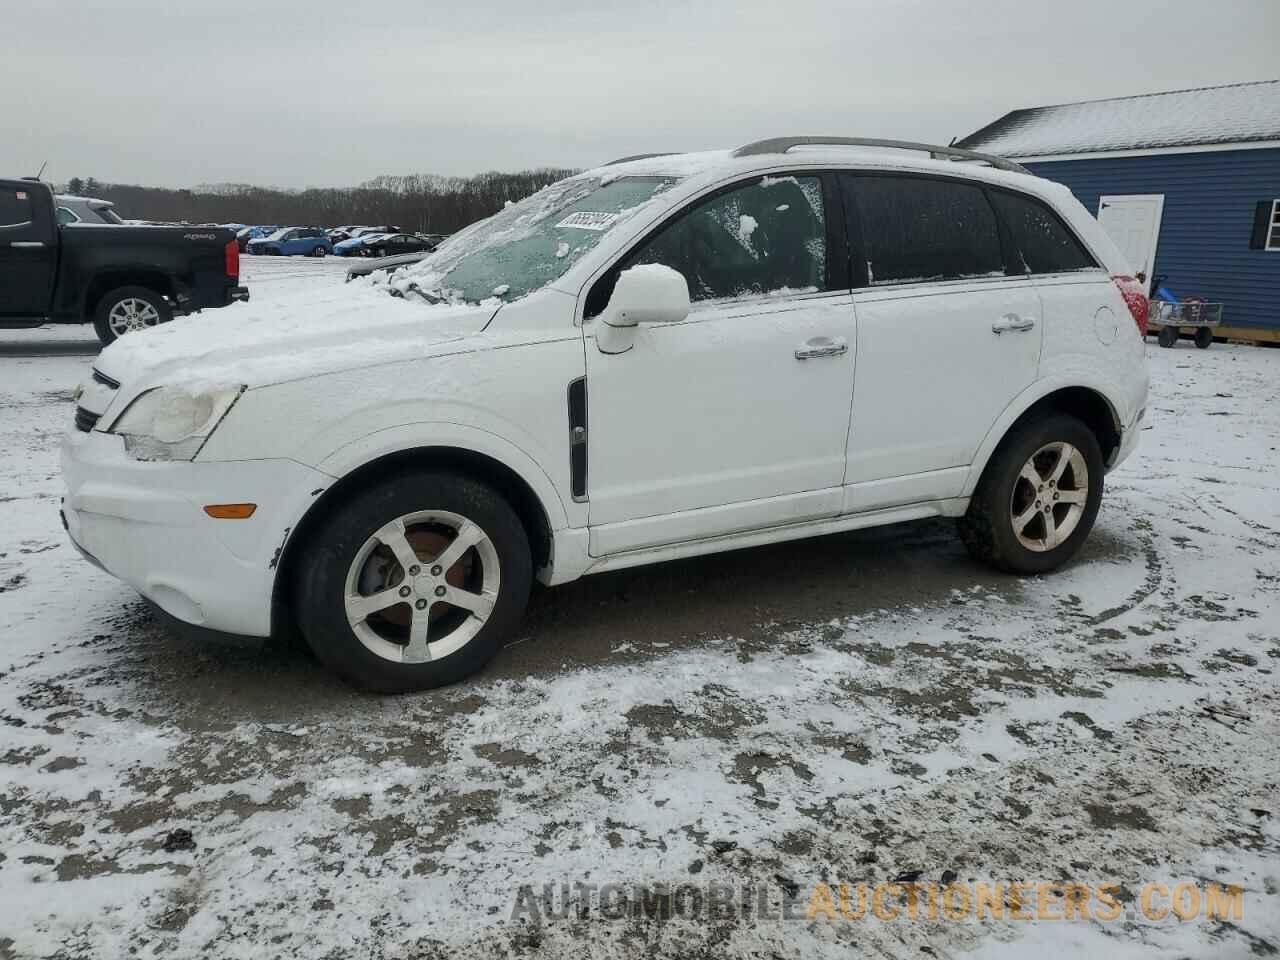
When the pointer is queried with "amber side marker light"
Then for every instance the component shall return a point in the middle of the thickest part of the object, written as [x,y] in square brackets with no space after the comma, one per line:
[231,511]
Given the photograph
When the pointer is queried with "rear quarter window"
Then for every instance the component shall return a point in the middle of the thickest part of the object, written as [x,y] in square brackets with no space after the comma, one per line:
[1045,243]
[15,207]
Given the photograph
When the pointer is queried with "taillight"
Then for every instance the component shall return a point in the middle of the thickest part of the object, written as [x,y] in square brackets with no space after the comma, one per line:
[232,253]
[1135,298]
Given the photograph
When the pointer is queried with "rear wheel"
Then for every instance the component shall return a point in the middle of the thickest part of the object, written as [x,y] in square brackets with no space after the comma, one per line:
[1168,336]
[1038,497]
[414,583]
[128,310]
[1204,337]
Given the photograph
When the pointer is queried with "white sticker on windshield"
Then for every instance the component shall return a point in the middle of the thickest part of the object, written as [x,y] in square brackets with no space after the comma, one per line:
[588,220]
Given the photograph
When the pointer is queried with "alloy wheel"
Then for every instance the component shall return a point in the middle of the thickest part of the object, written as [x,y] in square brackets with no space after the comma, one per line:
[422,586]
[130,315]
[1049,497]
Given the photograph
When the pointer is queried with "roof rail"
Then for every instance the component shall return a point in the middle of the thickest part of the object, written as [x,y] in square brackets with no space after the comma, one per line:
[639,156]
[783,144]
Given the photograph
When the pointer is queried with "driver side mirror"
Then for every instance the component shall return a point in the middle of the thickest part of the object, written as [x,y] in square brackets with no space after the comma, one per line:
[649,293]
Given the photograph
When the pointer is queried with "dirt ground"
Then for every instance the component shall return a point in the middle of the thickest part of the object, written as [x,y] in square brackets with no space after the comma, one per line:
[862,708]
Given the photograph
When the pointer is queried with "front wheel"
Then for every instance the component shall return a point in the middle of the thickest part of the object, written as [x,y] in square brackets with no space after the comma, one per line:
[319,252]
[1168,336]
[1038,497]
[1204,337]
[128,310]
[414,583]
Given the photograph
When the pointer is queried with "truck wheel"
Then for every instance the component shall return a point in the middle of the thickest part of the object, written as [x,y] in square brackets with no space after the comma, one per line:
[127,310]
[1168,336]
[1038,497]
[414,583]
[1204,337]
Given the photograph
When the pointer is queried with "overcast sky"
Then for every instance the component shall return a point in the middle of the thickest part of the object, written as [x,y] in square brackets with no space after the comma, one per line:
[333,92]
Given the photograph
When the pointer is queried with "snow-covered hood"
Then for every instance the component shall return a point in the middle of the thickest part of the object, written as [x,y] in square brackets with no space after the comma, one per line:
[289,338]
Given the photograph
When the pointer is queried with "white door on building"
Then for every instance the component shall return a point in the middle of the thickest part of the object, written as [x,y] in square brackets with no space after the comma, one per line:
[1133,222]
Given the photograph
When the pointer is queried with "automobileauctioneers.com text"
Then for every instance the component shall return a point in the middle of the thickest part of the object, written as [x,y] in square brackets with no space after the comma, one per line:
[888,902]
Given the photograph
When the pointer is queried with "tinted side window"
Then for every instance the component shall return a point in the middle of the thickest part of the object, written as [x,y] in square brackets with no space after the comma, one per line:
[15,207]
[916,229]
[65,216]
[763,238]
[1044,241]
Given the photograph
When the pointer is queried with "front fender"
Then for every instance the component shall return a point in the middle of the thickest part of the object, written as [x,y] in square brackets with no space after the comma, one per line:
[412,436]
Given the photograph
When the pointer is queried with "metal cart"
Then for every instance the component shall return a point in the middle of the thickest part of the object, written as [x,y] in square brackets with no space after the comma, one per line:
[1167,320]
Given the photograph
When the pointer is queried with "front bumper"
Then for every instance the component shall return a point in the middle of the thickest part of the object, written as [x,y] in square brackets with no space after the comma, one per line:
[144,523]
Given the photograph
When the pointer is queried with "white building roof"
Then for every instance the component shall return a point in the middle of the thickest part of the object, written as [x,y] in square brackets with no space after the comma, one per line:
[1238,113]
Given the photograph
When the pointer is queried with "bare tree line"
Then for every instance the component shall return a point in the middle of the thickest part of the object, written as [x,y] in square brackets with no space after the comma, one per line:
[425,202]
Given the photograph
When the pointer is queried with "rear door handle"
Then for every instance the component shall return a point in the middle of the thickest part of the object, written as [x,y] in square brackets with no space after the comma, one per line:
[822,347]
[28,244]
[1011,321]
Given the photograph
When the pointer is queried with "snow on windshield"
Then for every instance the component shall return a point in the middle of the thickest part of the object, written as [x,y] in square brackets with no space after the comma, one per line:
[527,245]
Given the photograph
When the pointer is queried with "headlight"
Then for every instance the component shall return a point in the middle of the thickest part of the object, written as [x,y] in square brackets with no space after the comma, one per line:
[172,423]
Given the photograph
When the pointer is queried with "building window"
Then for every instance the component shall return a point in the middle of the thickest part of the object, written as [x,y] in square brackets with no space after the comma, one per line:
[1273,234]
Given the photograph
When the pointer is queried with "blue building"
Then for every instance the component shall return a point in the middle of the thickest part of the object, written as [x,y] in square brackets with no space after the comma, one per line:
[1187,183]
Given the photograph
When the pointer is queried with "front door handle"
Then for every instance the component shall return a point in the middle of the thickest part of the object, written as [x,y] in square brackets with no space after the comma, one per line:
[1011,321]
[822,347]
[28,244]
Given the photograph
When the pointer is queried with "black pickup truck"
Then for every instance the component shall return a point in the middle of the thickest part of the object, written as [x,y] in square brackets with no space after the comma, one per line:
[118,278]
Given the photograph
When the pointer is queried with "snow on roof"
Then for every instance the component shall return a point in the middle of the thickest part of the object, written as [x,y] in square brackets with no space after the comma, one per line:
[1237,113]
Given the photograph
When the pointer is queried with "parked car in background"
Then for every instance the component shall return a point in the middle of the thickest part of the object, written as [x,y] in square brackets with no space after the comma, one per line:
[355,245]
[338,234]
[245,234]
[85,210]
[293,242]
[391,465]
[120,278]
[391,244]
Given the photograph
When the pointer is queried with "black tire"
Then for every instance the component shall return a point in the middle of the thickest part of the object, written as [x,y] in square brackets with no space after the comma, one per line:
[319,251]
[987,528]
[1204,337]
[330,550]
[1168,336]
[102,312]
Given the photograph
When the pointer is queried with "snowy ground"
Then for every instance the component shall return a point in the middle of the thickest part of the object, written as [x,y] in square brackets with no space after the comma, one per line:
[856,708]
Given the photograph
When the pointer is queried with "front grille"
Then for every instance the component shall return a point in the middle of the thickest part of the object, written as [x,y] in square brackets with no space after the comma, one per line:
[86,420]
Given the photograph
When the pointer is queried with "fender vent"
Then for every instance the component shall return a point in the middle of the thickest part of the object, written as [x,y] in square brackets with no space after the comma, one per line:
[578,438]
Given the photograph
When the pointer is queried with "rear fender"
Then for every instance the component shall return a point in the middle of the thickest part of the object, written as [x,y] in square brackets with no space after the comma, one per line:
[1024,402]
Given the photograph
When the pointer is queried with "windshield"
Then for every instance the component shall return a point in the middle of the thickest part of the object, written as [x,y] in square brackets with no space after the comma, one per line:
[528,244]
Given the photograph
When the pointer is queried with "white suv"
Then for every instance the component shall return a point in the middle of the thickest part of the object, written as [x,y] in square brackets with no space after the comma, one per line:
[667,356]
